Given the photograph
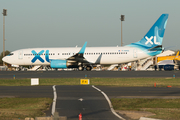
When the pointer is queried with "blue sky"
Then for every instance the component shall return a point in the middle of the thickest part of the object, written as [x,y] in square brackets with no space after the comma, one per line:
[67,23]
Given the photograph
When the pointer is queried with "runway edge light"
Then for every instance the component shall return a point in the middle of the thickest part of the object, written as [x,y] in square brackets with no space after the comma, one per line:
[84,81]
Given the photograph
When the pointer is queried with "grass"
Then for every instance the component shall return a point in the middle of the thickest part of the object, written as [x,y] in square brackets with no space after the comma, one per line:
[124,82]
[163,108]
[20,108]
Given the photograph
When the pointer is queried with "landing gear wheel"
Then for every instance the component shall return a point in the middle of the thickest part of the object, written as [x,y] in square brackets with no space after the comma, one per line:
[80,68]
[88,68]
[18,69]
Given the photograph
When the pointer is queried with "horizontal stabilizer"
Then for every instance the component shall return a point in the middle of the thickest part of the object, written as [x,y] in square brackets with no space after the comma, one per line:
[156,48]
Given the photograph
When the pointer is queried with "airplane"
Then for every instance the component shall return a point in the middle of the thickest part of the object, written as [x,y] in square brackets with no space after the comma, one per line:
[86,57]
[169,62]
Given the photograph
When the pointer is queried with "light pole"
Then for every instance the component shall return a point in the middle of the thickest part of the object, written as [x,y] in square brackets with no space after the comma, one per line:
[122,19]
[4,14]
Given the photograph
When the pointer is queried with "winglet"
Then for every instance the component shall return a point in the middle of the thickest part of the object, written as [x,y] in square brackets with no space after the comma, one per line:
[79,57]
[83,48]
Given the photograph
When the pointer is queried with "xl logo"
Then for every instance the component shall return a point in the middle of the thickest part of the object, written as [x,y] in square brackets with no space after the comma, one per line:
[37,56]
[149,40]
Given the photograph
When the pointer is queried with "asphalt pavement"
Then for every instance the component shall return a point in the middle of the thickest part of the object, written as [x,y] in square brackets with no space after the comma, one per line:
[26,91]
[72,100]
[140,92]
[89,74]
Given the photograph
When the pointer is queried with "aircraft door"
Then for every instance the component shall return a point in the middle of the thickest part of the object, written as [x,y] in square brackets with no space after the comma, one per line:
[20,55]
[135,53]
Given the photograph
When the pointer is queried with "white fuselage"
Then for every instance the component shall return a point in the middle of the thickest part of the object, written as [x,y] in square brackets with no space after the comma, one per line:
[94,55]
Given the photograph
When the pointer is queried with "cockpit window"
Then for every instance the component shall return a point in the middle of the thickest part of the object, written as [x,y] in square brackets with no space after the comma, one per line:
[11,54]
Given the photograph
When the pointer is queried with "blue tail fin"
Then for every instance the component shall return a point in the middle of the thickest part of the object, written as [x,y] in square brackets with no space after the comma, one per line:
[154,36]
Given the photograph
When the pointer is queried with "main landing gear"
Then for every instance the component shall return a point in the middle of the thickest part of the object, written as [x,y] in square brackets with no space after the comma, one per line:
[88,68]
[81,68]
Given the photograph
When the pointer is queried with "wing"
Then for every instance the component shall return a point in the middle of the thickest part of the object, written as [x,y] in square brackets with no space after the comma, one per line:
[79,57]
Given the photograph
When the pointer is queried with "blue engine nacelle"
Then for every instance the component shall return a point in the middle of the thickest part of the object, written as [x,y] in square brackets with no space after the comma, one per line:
[63,64]
[58,64]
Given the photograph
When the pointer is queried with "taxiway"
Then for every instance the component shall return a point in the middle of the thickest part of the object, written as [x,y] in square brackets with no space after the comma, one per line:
[89,74]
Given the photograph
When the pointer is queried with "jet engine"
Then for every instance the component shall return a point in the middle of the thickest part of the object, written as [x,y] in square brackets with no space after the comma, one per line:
[63,64]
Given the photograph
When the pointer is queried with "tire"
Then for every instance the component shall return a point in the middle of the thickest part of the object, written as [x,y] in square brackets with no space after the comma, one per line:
[80,68]
[88,68]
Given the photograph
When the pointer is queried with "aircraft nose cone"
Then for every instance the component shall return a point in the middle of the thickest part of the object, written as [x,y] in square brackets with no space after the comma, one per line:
[5,59]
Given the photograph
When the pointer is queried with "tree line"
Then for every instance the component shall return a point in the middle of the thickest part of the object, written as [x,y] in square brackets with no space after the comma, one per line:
[1,56]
